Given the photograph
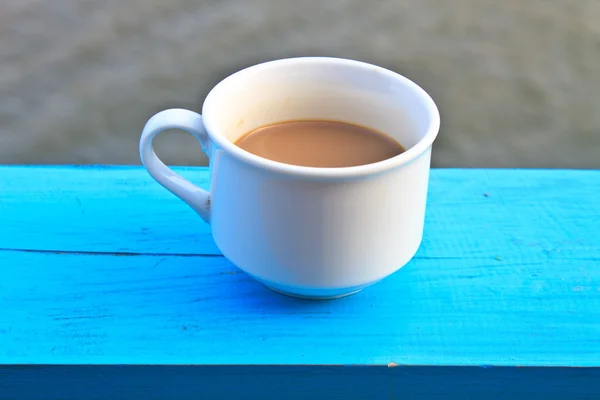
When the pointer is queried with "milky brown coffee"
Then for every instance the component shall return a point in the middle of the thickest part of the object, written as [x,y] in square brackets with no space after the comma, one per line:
[323,144]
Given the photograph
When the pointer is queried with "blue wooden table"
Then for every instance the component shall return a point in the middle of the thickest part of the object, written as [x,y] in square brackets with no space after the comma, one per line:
[110,288]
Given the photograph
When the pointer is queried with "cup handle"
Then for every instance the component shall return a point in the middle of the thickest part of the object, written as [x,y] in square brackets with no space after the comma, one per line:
[189,121]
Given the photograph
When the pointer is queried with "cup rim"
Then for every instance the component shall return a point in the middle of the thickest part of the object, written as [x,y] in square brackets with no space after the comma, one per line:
[320,172]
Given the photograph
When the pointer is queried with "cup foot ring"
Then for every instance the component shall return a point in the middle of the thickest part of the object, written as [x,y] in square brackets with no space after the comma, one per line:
[312,296]
[314,293]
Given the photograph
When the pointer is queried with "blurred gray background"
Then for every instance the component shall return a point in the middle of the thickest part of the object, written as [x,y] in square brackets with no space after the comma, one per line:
[517,81]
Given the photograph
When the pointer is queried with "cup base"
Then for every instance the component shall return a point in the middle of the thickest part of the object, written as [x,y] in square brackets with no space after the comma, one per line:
[314,294]
[312,297]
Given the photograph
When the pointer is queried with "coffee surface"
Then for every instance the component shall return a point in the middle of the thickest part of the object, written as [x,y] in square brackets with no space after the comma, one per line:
[323,144]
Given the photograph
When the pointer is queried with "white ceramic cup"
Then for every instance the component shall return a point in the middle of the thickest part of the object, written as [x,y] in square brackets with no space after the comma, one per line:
[305,231]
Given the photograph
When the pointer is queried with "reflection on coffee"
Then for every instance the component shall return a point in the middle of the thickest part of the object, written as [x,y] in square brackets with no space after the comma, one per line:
[324,144]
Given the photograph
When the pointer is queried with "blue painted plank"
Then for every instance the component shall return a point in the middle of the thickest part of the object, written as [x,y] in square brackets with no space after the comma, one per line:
[527,213]
[98,209]
[85,309]
[99,266]
[296,382]
[500,247]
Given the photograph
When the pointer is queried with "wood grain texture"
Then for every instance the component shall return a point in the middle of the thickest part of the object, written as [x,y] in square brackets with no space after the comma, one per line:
[98,209]
[101,266]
